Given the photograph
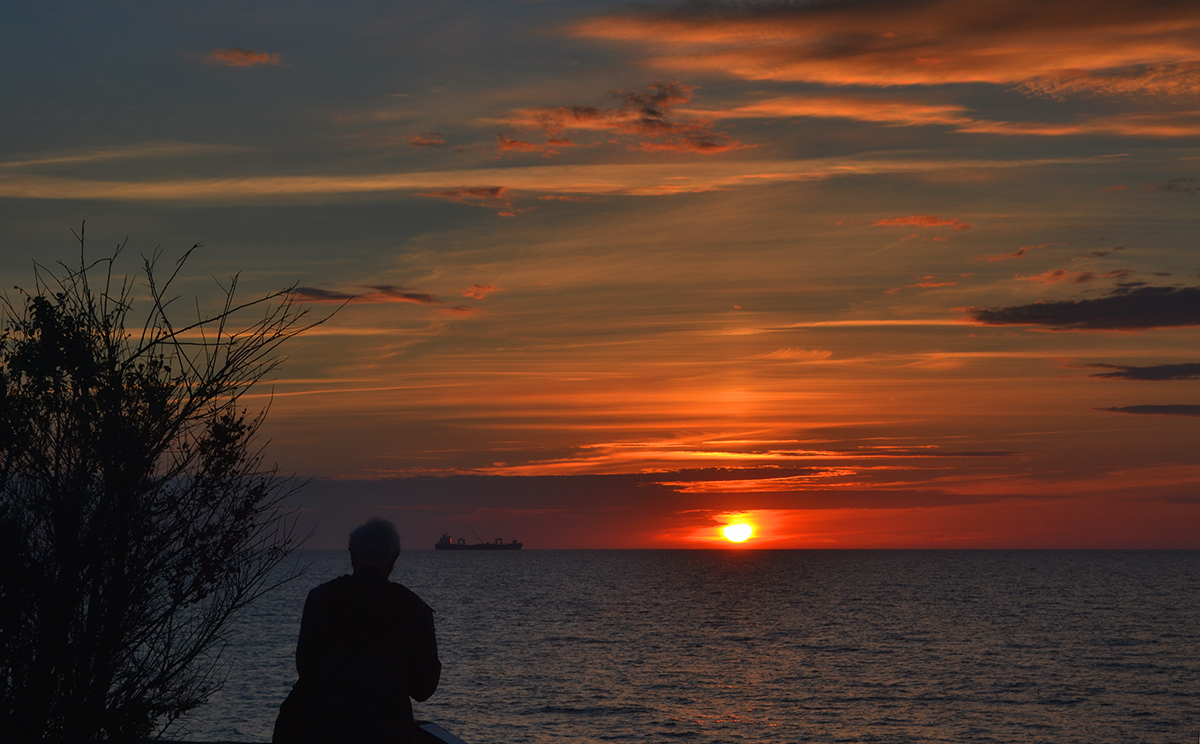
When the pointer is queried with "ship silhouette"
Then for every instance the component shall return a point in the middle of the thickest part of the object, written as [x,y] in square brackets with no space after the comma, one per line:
[448,543]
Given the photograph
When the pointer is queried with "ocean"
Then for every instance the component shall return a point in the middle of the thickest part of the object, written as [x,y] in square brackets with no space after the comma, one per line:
[773,646]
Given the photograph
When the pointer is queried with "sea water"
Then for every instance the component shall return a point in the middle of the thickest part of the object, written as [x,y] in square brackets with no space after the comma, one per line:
[773,646]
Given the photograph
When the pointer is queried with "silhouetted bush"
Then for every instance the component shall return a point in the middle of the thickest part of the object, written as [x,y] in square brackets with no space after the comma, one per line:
[136,513]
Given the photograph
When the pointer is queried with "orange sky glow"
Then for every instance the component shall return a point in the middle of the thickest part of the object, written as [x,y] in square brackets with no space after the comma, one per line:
[905,275]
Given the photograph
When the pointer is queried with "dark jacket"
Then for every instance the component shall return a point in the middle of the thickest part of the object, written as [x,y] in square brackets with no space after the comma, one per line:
[366,646]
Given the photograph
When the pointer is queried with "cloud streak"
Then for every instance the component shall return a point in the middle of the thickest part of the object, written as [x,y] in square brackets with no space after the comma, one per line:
[1137,309]
[427,139]
[1050,49]
[491,197]
[910,113]
[1184,185]
[923,220]
[1056,276]
[1156,372]
[1019,253]
[595,179]
[237,57]
[1054,47]
[145,151]
[472,195]
[1165,410]
[479,291]
[646,118]
[375,295]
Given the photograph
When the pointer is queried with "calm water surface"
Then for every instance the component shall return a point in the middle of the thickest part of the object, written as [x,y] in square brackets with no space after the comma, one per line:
[775,646]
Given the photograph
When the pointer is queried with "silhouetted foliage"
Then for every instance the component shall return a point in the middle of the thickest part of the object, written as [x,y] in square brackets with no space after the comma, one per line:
[136,513]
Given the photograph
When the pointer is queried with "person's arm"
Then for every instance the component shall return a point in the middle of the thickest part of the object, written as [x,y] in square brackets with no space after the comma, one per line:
[425,669]
[314,626]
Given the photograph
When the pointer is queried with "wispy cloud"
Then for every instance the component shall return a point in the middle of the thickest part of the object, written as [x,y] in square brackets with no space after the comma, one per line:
[1162,80]
[459,310]
[1019,253]
[885,111]
[1152,124]
[427,139]
[315,294]
[908,113]
[1184,185]
[479,291]
[237,57]
[491,197]
[923,220]
[646,118]
[1155,372]
[1165,410]
[472,195]
[1052,48]
[1100,253]
[797,355]
[930,282]
[551,146]
[508,144]
[144,151]
[927,282]
[1135,309]
[374,295]
[607,178]
[1056,276]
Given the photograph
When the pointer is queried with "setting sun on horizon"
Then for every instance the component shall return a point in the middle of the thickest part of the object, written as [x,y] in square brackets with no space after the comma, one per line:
[738,532]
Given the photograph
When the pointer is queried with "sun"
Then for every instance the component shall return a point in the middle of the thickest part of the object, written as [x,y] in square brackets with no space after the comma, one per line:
[739,532]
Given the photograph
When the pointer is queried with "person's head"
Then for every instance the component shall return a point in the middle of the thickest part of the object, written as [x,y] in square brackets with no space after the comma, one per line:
[375,545]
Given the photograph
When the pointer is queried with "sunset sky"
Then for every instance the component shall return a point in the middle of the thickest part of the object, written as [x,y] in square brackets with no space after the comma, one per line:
[887,274]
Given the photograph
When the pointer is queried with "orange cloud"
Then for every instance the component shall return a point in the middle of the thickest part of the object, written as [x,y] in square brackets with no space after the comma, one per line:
[1184,185]
[549,147]
[1007,256]
[1053,47]
[426,139]
[235,57]
[1056,276]
[886,111]
[491,197]
[1123,309]
[907,113]
[636,179]
[930,282]
[927,282]
[648,117]
[506,144]
[797,355]
[924,220]
[1160,80]
[376,295]
[1172,124]
[477,192]
[458,310]
[479,291]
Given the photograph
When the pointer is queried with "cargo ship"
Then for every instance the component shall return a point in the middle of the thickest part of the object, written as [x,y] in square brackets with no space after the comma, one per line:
[448,543]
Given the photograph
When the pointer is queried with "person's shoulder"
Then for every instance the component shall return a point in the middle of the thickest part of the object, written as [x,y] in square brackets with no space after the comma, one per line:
[408,597]
[329,588]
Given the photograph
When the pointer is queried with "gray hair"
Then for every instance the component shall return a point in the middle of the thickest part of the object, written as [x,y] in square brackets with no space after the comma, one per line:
[375,544]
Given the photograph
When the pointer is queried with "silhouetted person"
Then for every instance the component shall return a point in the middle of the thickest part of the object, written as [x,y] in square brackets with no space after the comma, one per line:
[366,646]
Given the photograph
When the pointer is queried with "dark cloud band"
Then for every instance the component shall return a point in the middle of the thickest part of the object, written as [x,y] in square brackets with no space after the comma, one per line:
[1140,308]
[1167,410]
[1187,371]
